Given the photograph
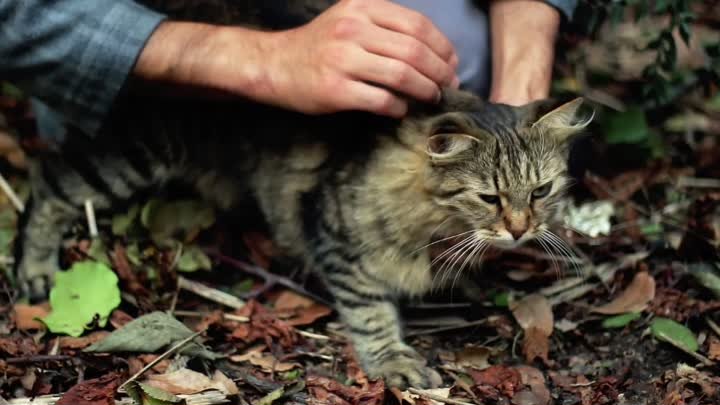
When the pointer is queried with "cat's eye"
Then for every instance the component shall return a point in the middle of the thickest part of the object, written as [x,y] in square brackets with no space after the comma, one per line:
[542,191]
[490,198]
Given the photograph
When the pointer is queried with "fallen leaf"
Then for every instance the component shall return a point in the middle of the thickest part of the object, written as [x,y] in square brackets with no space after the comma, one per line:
[271,397]
[473,356]
[266,361]
[99,391]
[85,294]
[25,316]
[592,219]
[329,391]
[539,394]
[495,381]
[441,392]
[620,321]
[186,381]
[69,342]
[674,333]
[289,300]
[534,314]
[714,348]
[193,259]
[634,298]
[148,334]
[264,325]
[144,394]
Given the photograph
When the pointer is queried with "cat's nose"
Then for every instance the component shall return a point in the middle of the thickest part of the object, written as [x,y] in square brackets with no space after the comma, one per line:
[517,233]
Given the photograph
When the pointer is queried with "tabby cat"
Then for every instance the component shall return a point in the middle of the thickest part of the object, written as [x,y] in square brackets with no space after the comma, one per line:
[358,197]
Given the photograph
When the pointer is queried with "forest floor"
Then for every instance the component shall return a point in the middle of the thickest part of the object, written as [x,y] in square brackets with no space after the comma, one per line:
[626,313]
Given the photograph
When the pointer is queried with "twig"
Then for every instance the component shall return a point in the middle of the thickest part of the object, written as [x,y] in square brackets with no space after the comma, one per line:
[438,398]
[170,351]
[266,275]
[38,359]
[90,214]
[210,293]
[461,383]
[446,328]
[238,318]
[696,182]
[212,397]
[12,196]
[713,326]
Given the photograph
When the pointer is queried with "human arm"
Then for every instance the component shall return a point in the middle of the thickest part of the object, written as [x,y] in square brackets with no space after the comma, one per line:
[74,55]
[523,36]
[358,54]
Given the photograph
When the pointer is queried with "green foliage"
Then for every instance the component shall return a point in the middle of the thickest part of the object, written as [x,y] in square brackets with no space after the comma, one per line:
[662,81]
[629,126]
[674,333]
[144,394]
[620,321]
[192,259]
[85,294]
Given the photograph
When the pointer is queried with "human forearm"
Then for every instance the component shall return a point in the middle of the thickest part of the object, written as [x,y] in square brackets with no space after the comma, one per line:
[523,35]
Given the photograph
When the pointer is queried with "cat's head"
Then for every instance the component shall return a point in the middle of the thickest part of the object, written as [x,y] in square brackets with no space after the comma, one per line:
[501,170]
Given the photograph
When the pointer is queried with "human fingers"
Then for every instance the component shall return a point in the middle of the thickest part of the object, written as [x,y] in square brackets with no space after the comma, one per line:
[410,22]
[392,73]
[405,48]
[357,95]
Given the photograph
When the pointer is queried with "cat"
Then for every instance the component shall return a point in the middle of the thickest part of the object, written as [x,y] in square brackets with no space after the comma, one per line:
[358,197]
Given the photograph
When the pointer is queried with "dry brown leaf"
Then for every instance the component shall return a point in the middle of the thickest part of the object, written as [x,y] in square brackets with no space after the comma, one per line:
[100,391]
[68,342]
[306,316]
[495,381]
[635,298]
[270,364]
[186,381]
[254,351]
[473,356]
[288,300]
[324,390]
[441,392]
[538,394]
[25,316]
[534,314]
[533,311]
[714,348]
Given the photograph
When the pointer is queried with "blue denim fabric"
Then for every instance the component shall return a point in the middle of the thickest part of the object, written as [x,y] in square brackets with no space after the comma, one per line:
[73,55]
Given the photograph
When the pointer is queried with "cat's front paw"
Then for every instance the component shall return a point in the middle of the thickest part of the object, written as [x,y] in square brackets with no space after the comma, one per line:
[35,279]
[404,370]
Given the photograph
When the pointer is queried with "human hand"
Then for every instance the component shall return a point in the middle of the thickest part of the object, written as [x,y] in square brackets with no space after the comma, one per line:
[357,55]
[360,54]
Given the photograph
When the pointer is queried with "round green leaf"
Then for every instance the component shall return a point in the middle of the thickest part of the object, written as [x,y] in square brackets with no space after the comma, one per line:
[193,259]
[86,293]
[628,126]
[674,333]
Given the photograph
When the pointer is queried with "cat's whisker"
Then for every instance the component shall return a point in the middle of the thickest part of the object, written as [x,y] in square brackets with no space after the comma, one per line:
[562,248]
[439,241]
[480,247]
[449,253]
[555,264]
[459,255]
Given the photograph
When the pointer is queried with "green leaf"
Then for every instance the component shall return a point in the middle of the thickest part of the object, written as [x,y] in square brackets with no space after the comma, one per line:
[707,275]
[271,397]
[148,334]
[144,394]
[629,126]
[86,293]
[169,219]
[674,333]
[122,222]
[502,299]
[11,91]
[193,259]
[242,287]
[620,321]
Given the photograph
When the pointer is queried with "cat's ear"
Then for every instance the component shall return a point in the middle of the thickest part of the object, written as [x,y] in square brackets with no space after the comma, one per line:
[449,147]
[565,121]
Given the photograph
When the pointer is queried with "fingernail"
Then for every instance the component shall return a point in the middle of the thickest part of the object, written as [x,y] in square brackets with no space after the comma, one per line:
[438,96]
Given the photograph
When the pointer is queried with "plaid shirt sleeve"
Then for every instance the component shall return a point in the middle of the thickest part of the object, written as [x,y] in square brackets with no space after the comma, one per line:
[74,55]
[567,7]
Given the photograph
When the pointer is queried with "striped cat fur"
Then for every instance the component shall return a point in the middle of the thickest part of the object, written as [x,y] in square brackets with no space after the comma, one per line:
[358,198]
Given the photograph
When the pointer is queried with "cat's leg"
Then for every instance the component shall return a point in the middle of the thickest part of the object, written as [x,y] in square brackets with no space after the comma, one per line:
[367,306]
[37,249]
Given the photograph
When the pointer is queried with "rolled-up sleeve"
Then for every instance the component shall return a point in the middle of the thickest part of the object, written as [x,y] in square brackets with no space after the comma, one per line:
[74,55]
[566,7]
